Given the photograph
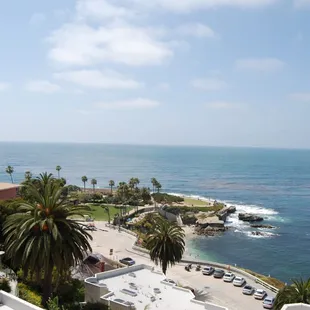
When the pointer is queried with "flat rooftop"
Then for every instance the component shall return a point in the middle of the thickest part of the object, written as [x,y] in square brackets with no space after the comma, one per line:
[5,186]
[144,288]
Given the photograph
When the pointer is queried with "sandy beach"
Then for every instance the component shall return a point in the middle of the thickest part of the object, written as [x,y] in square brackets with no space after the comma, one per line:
[217,291]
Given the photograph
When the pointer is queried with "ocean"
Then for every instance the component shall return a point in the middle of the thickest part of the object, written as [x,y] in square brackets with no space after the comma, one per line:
[269,182]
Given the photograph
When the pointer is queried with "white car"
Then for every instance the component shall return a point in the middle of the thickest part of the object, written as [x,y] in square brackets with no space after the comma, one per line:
[248,290]
[228,277]
[260,294]
[239,281]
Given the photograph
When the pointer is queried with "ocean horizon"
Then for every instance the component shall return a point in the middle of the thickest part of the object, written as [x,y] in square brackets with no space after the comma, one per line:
[273,183]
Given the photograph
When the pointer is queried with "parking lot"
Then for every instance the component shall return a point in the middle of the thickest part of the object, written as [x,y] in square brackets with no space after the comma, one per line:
[210,289]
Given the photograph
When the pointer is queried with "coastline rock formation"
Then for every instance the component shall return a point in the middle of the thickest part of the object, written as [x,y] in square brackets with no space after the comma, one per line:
[263,226]
[209,226]
[248,217]
[222,214]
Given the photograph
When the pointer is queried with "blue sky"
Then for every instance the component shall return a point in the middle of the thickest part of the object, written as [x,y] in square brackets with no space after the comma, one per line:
[190,72]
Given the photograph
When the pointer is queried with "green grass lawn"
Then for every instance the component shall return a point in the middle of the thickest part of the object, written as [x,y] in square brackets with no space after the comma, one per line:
[195,202]
[99,214]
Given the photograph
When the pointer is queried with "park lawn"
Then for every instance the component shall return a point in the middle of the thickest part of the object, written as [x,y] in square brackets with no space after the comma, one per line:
[195,202]
[98,213]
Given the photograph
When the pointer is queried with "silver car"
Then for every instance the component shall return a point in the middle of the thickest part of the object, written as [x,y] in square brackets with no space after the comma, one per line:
[248,290]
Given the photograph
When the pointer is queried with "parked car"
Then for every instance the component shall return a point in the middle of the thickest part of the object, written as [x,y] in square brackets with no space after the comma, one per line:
[228,277]
[239,281]
[218,273]
[127,261]
[268,302]
[207,270]
[248,290]
[260,294]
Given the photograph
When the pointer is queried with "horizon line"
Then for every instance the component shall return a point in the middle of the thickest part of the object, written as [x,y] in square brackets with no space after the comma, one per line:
[160,145]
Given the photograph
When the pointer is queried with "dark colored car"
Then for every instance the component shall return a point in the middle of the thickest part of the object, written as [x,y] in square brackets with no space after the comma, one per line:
[218,273]
[127,261]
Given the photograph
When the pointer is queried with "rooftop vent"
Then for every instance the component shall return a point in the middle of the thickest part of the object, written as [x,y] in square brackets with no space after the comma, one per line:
[157,290]
[129,292]
[131,274]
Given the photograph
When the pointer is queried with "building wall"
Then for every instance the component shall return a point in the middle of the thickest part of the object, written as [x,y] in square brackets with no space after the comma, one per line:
[8,193]
[16,303]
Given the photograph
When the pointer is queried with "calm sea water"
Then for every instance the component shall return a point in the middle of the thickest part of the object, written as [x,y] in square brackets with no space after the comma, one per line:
[273,183]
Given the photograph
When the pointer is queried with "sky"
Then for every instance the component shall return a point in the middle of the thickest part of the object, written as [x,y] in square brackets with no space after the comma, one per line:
[169,72]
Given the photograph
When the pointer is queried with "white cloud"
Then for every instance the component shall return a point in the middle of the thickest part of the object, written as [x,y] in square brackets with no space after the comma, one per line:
[185,6]
[98,79]
[300,4]
[80,44]
[260,64]
[139,103]
[37,18]
[221,105]
[101,9]
[302,97]
[209,84]
[196,29]
[42,86]
[4,86]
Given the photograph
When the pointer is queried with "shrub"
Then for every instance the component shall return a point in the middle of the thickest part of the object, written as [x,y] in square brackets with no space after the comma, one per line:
[95,306]
[28,294]
[5,285]
[166,198]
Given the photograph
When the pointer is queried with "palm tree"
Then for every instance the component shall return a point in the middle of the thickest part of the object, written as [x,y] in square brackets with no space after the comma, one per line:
[298,292]
[84,180]
[42,236]
[111,184]
[58,168]
[107,209]
[158,186]
[28,176]
[133,182]
[166,244]
[93,183]
[154,182]
[9,170]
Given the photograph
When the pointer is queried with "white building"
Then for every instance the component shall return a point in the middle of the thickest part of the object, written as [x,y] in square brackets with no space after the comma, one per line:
[140,287]
[296,307]
[10,302]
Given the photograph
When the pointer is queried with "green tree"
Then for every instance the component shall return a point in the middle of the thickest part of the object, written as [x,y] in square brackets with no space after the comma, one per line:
[93,183]
[133,183]
[145,195]
[58,168]
[154,182]
[298,292]
[41,235]
[9,170]
[166,243]
[84,180]
[158,186]
[111,184]
[107,210]
[28,176]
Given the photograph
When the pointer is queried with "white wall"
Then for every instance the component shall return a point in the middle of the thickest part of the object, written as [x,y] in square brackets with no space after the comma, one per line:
[16,303]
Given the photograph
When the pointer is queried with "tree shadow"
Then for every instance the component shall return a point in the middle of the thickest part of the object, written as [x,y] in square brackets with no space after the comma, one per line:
[202,295]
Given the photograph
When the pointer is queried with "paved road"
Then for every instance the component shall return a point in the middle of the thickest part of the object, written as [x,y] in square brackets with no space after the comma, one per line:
[215,290]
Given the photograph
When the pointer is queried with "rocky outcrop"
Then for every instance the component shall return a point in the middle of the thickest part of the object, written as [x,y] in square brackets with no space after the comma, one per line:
[263,226]
[211,221]
[209,231]
[222,214]
[248,217]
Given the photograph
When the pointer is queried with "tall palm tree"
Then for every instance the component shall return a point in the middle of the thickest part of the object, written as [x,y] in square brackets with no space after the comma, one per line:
[58,168]
[28,176]
[111,184]
[166,244]
[133,182]
[9,170]
[298,292]
[93,183]
[158,186]
[154,181]
[84,180]
[42,236]
[107,210]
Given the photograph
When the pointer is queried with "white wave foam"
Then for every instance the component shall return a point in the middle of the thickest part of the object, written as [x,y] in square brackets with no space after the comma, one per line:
[264,236]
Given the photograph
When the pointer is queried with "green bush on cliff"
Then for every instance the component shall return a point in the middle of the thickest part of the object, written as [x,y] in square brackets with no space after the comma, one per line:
[184,209]
[166,198]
